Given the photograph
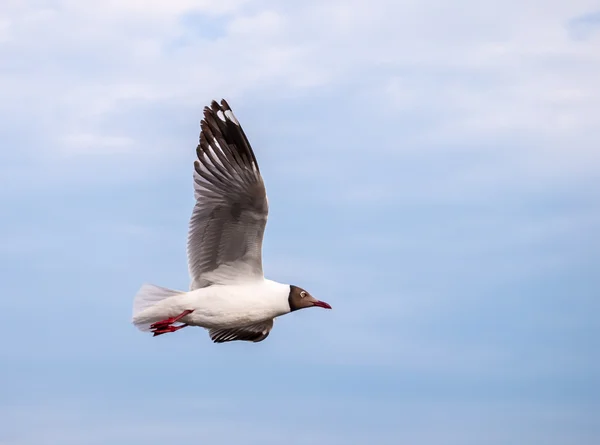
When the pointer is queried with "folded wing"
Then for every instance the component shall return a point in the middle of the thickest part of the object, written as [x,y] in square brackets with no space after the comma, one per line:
[255,333]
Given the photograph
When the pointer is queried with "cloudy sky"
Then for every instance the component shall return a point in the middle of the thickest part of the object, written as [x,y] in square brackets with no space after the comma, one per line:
[433,172]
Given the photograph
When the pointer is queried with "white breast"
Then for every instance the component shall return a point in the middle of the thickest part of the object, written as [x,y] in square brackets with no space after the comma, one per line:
[235,305]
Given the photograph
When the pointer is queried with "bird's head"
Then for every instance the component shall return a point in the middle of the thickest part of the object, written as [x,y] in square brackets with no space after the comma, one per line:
[301,299]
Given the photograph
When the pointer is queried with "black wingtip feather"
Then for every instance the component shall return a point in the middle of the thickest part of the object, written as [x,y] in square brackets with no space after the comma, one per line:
[229,130]
[225,105]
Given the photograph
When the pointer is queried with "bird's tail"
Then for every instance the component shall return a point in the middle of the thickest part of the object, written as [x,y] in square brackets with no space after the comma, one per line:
[148,296]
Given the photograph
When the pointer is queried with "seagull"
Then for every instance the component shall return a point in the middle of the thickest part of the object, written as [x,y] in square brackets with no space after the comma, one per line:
[229,295]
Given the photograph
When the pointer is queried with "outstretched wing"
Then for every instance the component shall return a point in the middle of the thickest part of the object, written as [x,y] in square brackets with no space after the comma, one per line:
[228,221]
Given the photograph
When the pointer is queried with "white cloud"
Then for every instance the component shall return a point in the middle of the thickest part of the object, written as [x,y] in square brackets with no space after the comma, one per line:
[502,87]
[469,72]
[89,143]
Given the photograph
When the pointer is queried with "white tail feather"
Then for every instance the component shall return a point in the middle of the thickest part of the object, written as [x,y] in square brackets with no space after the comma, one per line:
[146,297]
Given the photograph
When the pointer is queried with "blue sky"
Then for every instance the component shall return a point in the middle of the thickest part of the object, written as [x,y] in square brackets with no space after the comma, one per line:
[433,172]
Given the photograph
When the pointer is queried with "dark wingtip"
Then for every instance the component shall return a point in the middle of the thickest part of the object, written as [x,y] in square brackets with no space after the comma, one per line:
[214,106]
[225,105]
[227,130]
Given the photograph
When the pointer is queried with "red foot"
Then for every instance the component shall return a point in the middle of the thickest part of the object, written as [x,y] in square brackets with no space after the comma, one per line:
[168,329]
[165,326]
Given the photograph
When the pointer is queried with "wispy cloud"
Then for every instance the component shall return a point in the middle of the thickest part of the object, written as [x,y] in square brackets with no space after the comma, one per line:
[94,144]
[432,172]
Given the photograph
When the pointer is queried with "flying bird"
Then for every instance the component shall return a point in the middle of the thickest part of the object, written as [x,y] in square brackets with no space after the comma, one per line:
[229,295]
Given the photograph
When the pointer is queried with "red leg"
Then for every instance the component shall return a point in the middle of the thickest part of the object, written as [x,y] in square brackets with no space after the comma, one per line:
[166,326]
[168,329]
[170,321]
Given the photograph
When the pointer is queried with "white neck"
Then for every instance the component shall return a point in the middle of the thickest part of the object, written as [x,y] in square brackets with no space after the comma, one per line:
[279,292]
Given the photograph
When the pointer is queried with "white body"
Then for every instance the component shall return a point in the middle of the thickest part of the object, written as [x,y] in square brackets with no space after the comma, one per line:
[228,292]
[216,306]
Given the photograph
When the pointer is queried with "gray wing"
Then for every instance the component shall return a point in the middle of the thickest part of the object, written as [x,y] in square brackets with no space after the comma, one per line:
[228,221]
[256,332]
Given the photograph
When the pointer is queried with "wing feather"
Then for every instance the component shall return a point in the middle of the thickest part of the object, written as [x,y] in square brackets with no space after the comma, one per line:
[255,333]
[228,221]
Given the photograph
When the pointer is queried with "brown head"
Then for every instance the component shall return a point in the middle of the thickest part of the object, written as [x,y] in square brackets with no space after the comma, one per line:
[300,299]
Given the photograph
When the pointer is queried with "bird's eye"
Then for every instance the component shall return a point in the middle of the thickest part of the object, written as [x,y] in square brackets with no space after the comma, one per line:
[302,294]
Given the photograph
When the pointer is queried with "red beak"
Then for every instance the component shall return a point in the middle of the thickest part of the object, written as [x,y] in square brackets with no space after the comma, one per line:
[321,304]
